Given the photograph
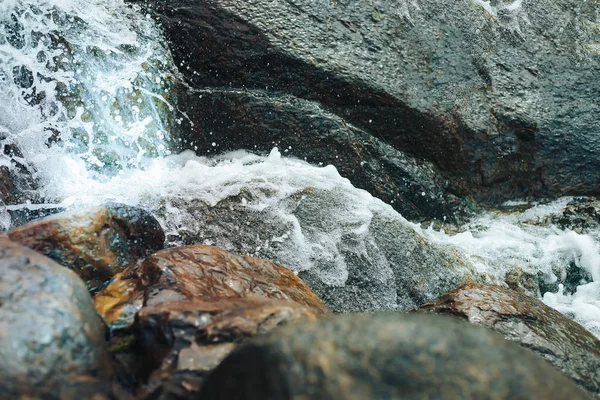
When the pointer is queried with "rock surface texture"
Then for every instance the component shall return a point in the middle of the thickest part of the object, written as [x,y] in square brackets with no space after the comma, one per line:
[96,243]
[198,273]
[532,324]
[500,96]
[208,273]
[354,251]
[194,337]
[51,338]
[391,356]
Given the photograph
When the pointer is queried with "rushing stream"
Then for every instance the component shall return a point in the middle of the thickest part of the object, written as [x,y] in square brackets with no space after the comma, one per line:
[85,100]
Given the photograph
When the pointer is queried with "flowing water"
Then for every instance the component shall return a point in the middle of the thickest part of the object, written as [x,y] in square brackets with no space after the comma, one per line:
[87,116]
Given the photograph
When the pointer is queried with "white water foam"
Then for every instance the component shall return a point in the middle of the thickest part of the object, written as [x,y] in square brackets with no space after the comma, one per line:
[509,14]
[498,242]
[83,86]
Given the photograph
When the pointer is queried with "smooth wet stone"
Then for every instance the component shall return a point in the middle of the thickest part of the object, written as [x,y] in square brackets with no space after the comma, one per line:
[528,321]
[196,336]
[208,273]
[97,242]
[50,334]
[386,356]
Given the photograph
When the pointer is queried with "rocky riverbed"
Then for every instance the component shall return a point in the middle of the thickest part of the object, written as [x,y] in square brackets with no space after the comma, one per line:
[299,199]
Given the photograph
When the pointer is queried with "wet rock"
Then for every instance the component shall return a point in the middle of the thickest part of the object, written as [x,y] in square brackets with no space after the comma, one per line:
[96,243]
[120,300]
[207,273]
[50,334]
[581,215]
[501,96]
[392,356]
[354,251]
[197,336]
[532,324]
[305,130]
[6,184]
[522,281]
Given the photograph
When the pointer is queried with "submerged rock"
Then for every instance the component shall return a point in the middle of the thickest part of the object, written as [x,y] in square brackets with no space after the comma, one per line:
[500,95]
[97,242]
[196,336]
[392,356]
[50,335]
[532,324]
[581,215]
[355,252]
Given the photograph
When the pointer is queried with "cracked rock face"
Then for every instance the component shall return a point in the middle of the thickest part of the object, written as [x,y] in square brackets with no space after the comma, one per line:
[529,322]
[50,335]
[392,356]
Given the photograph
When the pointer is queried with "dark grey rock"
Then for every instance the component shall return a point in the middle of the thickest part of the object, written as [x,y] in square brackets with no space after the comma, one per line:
[529,322]
[386,356]
[501,96]
[50,335]
[259,121]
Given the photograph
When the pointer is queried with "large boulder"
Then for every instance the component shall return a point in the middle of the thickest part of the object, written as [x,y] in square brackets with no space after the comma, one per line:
[50,335]
[500,95]
[96,242]
[529,322]
[391,356]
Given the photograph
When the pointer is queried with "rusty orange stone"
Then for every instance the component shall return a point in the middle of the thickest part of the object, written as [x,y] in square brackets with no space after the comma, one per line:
[208,273]
[96,243]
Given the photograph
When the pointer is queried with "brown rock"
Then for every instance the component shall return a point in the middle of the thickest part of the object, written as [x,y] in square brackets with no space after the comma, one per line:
[96,242]
[529,322]
[385,356]
[120,300]
[50,334]
[197,336]
[207,273]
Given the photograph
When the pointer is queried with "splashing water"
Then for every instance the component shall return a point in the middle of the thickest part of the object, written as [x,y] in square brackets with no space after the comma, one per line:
[84,88]
[565,262]
[85,94]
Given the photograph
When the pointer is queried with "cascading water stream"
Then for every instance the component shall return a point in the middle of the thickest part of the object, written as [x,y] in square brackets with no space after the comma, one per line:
[84,89]
[86,94]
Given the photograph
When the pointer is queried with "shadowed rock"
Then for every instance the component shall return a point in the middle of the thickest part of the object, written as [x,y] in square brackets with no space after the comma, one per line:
[529,322]
[50,334]
[196,336]
[386,356]
[96,242]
